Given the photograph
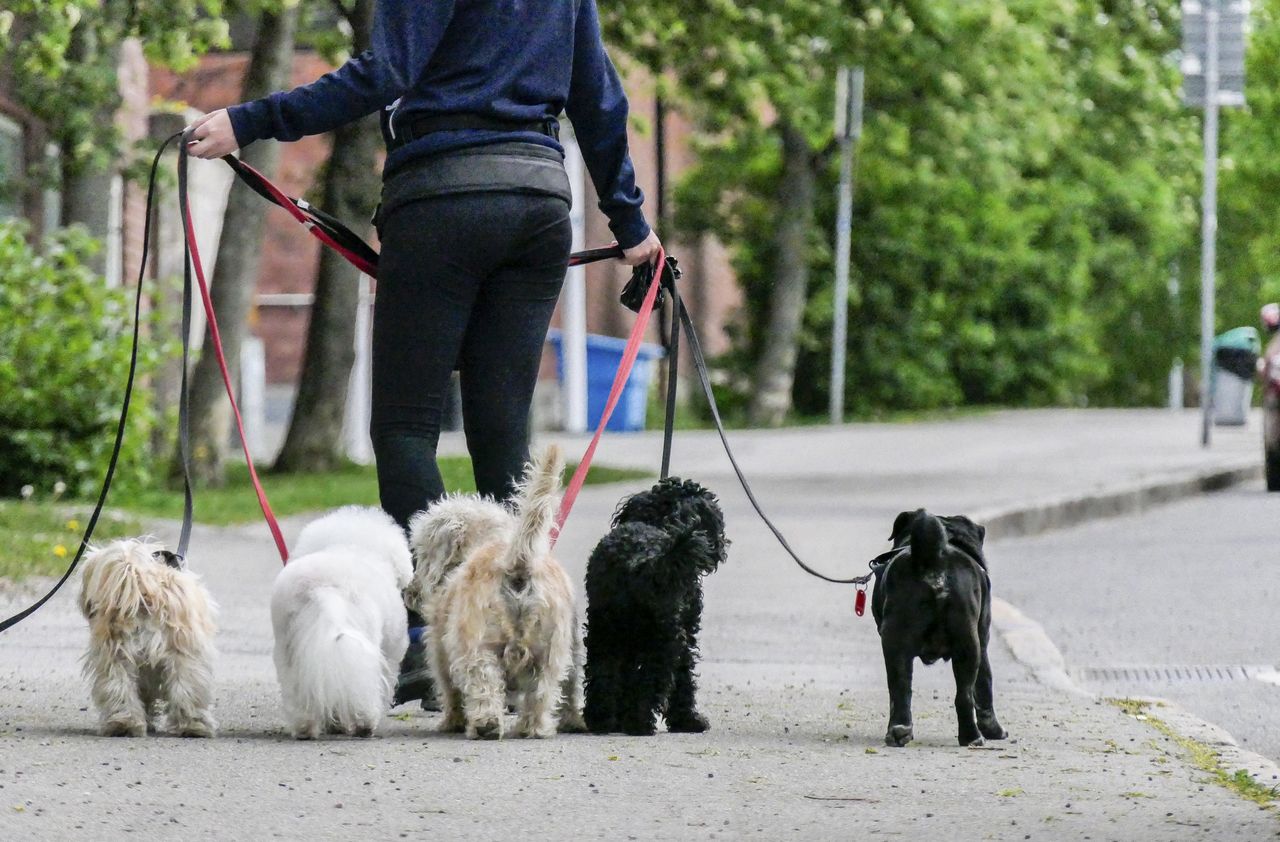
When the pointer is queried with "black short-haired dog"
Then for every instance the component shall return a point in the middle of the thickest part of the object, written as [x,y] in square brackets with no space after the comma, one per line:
[932,600]
[644,609]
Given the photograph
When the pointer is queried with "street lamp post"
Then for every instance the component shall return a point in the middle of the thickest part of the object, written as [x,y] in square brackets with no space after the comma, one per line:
[849,84]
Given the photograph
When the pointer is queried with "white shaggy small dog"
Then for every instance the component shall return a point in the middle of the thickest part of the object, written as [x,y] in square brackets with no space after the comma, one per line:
[500,610]
[151,628]
[340,622]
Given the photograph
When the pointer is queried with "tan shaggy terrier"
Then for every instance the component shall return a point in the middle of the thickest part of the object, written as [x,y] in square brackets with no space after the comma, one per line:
[151,628]
[500,610]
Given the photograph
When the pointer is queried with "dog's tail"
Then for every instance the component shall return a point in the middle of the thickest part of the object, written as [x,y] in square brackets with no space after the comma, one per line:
[537,499]
[928,541]
[339,672]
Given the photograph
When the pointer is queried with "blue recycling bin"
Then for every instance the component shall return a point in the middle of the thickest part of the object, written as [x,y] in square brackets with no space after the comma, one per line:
[604,355]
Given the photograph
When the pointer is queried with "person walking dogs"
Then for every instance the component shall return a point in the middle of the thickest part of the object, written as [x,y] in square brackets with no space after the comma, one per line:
[474,220]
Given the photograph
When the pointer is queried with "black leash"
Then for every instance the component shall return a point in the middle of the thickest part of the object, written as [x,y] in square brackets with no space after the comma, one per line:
[124,407]
[700,364]
[680,318]
[673,371]
[184,396]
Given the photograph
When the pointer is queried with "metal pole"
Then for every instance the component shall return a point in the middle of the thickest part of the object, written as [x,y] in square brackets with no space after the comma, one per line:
[573,312]
[1208,216]
[849,84]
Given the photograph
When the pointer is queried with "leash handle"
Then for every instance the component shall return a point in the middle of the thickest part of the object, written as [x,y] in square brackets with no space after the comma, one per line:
[629,354]
[582,258]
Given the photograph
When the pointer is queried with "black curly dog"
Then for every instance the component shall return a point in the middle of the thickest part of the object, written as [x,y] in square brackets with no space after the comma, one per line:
[644,609]
[933,601]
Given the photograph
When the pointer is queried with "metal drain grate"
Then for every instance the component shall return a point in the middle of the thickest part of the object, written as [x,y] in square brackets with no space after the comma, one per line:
[1164,674]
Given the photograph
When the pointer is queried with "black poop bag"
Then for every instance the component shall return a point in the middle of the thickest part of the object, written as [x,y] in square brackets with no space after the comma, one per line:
[638,287]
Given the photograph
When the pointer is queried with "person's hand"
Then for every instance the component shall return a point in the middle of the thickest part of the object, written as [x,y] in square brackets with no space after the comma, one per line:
[645,252]
[212,136]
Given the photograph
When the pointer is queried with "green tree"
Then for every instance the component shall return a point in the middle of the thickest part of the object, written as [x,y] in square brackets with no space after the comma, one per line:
[1025,181]
[760,67]
[1249,221]
[63,56]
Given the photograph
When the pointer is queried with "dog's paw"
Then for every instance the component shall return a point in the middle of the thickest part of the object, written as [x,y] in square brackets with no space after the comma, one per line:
[991,729]
[488,729]
[124,728]
[195,729]
[972,742]
[573,724]
[306,732]
[687,722]
[537,733]
[450,725]
[898,735]
[639,728]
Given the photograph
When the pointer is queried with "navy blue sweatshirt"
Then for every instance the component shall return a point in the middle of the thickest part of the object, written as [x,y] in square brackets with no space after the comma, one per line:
[514,60]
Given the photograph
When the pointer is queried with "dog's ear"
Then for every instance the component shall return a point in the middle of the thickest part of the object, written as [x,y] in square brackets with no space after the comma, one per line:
[901,533]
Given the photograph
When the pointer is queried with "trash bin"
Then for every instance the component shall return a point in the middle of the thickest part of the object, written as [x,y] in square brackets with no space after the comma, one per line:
[604,355]
[1235,360]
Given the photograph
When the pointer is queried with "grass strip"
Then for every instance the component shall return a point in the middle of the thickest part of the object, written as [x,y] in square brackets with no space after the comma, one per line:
[292,494]
[1203,757]
[40,538]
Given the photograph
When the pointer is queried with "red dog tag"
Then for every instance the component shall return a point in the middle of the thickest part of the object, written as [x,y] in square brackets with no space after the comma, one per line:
[860,602]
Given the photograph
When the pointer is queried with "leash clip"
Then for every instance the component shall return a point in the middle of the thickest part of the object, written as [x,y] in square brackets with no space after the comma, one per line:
[173,560]
[860,601]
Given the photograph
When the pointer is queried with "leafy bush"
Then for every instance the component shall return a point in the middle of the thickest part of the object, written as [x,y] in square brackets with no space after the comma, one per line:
[64,356]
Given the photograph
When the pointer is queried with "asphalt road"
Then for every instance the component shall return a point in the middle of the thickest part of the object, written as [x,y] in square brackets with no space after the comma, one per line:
[1133,602]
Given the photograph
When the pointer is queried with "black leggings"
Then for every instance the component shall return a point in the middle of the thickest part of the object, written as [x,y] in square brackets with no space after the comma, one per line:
[467,280]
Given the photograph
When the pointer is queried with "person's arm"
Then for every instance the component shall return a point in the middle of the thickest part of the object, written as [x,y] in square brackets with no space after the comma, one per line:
[405,36]
[361,86]
[597,105]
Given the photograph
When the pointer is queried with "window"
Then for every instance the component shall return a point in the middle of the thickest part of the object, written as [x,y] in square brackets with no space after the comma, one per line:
[12,168]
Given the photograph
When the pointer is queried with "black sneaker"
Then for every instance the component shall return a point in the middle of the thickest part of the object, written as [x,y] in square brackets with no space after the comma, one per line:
[415,676]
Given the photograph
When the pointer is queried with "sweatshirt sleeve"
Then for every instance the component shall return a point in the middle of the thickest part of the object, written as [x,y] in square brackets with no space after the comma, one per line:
[597,105]
[405,36]
[361,86]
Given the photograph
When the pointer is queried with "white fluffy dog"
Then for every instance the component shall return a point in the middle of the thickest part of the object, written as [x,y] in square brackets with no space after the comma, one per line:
[151,628]
[500,610]
[340,622]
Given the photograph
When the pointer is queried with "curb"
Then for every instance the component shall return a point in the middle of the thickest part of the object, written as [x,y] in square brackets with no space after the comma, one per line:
[1032,648]
[1062,512]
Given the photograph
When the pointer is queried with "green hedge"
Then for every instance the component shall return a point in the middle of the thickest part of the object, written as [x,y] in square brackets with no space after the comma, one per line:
[64,356]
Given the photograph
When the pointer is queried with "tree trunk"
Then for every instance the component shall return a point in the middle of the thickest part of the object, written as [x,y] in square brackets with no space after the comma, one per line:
[236,273]
[351,187]
[775,371]
[86,185]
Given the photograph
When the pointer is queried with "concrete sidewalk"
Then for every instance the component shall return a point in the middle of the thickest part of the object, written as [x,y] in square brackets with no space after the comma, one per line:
[792,682]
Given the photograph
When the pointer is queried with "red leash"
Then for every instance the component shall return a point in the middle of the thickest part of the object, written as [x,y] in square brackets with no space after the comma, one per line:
[334,234]
[629,354]
[216,338]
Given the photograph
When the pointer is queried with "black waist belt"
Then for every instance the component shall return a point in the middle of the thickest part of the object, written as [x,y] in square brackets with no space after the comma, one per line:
[511,167]
[411,128]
